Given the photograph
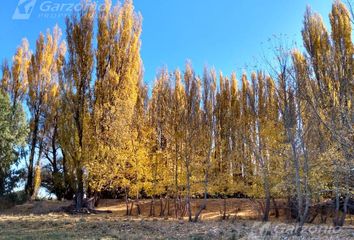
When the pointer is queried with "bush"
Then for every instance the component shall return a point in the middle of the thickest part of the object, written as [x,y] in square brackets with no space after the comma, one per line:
[11,199]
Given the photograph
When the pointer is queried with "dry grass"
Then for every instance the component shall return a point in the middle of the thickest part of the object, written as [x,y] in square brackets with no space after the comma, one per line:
[32,221]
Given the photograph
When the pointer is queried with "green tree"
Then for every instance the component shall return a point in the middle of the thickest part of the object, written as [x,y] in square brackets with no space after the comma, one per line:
[13,132]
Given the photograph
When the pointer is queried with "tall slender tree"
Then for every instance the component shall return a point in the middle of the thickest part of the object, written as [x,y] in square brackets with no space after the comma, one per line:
[76,95]
[116,91]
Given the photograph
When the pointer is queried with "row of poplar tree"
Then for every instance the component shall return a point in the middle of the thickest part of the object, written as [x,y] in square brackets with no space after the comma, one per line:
[282,133]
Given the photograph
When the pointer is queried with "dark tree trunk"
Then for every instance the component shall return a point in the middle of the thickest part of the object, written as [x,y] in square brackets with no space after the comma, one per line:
[152,207]
[168,207]
[29,184]
[267,200]
[206,182]
[126,202]
[131,208]
[176,207]
[276,209]
[69,192]
[224,210]
[80,189]
[138,208]
[58,186]
[345,210]
[162,211]
[188,200]
[201,208]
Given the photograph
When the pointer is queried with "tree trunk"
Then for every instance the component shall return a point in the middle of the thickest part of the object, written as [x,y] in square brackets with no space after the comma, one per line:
[188,201]
[162,210]
[138,209]
[206,181]
[347,194]
[224,210]
[168,207]
[336,220]
[152,207]
[37,174]
[201,208]
[303,217]
[183,208]
[176,206]
[80,189]
[131,208]
[345,210]
[37,182]
[58,189]
[276,209]
[267,196]
[29,185]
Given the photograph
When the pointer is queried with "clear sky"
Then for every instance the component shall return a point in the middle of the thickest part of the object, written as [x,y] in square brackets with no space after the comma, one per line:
[226,34]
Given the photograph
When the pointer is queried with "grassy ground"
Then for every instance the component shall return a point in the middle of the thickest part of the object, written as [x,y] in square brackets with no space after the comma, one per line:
[32,221]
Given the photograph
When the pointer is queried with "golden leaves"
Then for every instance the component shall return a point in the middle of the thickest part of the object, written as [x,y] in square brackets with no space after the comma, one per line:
[116,93]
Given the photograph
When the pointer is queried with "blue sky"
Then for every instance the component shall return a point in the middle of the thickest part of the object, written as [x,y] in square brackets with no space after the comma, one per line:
[227,34]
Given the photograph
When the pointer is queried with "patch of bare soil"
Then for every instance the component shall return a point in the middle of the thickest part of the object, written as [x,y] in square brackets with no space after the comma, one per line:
[235,208]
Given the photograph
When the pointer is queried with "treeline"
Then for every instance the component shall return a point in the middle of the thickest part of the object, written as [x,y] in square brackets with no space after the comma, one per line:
[94,126]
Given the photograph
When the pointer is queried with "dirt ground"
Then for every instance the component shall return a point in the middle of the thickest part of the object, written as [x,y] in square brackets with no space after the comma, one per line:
[35,221]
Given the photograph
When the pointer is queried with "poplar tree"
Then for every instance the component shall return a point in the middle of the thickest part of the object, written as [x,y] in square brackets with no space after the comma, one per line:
[53,176]
[207,131]
[324,75]
[162,166]
[116,90]
[76,96]
[176,146]
[191,129]
[42,88]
